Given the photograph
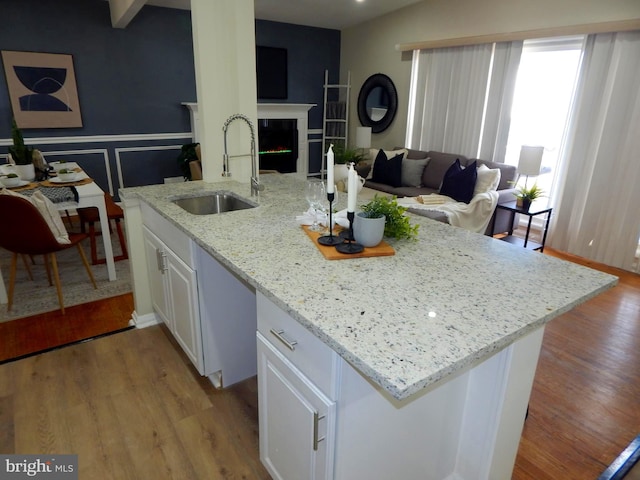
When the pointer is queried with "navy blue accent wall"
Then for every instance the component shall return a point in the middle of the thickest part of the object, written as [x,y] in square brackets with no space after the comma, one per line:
[130,80]
[133,80]
[310,51]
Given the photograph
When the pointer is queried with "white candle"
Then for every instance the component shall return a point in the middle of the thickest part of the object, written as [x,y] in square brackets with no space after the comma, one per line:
[330,162]
[352,190]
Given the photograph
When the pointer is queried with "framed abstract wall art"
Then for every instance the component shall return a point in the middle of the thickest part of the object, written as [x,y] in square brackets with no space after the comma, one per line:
[42,89]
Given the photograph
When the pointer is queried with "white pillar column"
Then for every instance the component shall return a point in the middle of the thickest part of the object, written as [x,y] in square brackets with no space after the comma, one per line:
[224,54]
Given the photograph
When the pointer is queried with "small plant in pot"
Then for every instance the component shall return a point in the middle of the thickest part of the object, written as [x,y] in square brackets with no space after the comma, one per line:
[342,157]
[21,154]
[397,225]
[345,156]
[526,195]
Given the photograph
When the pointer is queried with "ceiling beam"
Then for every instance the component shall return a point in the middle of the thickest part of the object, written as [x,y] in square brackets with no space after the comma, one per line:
[123,11]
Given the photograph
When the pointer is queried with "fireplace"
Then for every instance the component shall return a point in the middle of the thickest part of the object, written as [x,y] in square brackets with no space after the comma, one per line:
[278,144]
[285,111]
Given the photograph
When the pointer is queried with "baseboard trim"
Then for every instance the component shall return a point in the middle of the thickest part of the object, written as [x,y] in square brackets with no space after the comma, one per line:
[144,321]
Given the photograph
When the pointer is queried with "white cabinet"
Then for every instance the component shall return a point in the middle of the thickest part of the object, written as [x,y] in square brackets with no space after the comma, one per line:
[210,311]
[155,251]
[174,294]
[297,410]
[297,421]
[320,418]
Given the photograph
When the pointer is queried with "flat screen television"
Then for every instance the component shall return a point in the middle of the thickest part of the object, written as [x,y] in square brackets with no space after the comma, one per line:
[271,72]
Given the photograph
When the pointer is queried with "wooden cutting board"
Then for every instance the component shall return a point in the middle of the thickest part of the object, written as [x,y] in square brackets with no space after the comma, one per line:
[383,249]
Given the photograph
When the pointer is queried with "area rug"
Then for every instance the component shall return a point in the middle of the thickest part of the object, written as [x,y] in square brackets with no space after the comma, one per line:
[35,296]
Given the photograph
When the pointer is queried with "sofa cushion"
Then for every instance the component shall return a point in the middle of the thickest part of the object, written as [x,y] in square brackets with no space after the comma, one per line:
[438,164]
[459,183]
[373,154]
[388,171]
[399,191]
[488,179]
[412,171]
[508,173]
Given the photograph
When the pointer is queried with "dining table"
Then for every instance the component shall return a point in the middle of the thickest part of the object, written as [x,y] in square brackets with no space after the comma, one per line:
[79,193]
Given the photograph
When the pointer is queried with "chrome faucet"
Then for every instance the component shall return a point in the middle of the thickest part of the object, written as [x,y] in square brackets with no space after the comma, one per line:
[256,187]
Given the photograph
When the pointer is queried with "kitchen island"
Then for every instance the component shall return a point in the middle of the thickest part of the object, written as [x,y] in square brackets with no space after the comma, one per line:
[430,353]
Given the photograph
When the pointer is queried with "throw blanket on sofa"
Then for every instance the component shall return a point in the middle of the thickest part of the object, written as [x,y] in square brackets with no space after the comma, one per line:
[474,216]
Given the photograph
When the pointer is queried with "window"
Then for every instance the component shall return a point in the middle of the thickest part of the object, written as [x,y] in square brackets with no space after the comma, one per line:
[542,99]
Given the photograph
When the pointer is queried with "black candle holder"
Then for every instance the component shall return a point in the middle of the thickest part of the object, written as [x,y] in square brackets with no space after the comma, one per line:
[350,246]
[330,239]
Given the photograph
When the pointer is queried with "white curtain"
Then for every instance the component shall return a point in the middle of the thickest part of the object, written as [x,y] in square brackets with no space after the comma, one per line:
[597,214]
[495,132]
[451,85]
[451,109]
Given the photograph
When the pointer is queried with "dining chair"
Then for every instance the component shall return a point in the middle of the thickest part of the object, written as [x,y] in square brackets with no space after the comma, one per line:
[26,232]
[88,218]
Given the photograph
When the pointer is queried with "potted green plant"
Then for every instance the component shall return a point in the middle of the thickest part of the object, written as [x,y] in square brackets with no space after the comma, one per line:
[345,156]
[396,224]
[526,195]
[341,158]
[21,154]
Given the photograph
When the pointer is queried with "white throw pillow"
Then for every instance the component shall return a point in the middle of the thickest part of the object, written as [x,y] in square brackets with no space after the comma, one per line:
[373,153]
[488,179]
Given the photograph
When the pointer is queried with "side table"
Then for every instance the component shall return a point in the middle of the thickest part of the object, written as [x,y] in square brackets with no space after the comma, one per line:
[532,212]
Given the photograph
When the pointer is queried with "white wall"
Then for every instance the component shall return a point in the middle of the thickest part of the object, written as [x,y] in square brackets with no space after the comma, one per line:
[370,48]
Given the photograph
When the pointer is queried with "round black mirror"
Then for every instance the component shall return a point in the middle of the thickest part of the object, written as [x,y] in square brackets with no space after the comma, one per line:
[377,103]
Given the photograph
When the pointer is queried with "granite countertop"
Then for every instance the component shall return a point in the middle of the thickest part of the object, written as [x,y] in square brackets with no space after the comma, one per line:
[439,305]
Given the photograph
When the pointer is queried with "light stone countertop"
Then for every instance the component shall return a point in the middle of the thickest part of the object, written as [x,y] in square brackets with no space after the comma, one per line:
[439,305]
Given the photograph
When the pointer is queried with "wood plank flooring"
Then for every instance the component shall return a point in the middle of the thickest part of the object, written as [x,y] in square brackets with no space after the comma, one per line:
[53,329]
[132,407]
[585,404]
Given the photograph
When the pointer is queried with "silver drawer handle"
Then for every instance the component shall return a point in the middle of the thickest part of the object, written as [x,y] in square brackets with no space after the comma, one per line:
[316,419]
[161,259]
[279,334]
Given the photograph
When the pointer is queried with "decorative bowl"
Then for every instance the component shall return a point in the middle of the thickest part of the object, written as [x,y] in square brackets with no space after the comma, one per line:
[10,181]
[66,175]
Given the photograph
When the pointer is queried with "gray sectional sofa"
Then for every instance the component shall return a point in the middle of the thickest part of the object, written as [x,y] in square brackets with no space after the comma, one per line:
[432,176]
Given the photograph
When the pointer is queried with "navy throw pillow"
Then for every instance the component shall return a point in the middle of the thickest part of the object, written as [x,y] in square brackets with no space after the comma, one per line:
[459,183]
[389,171]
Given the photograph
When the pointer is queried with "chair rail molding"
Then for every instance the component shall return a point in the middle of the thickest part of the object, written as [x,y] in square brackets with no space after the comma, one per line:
[129,137]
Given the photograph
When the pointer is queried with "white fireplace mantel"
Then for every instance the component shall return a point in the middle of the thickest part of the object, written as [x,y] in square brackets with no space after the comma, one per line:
[286,111]
[292,111]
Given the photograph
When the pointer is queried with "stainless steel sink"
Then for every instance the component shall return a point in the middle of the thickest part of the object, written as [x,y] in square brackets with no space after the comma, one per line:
[211,203]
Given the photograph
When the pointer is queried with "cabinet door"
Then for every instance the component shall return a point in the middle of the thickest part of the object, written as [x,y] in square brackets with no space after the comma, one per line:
[156,265]
[183,304]
[297,421]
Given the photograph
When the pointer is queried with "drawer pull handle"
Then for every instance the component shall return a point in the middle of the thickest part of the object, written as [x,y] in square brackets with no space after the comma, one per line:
[161,258]
[279,334]
[316,440]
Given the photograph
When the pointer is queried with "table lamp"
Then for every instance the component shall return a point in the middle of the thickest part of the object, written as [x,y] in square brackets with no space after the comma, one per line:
[530,161]
[363,140]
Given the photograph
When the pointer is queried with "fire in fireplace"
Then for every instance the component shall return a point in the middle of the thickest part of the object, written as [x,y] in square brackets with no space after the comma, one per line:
[278,145]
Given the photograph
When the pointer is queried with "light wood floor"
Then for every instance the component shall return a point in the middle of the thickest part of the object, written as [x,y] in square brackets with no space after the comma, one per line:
[132,407]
